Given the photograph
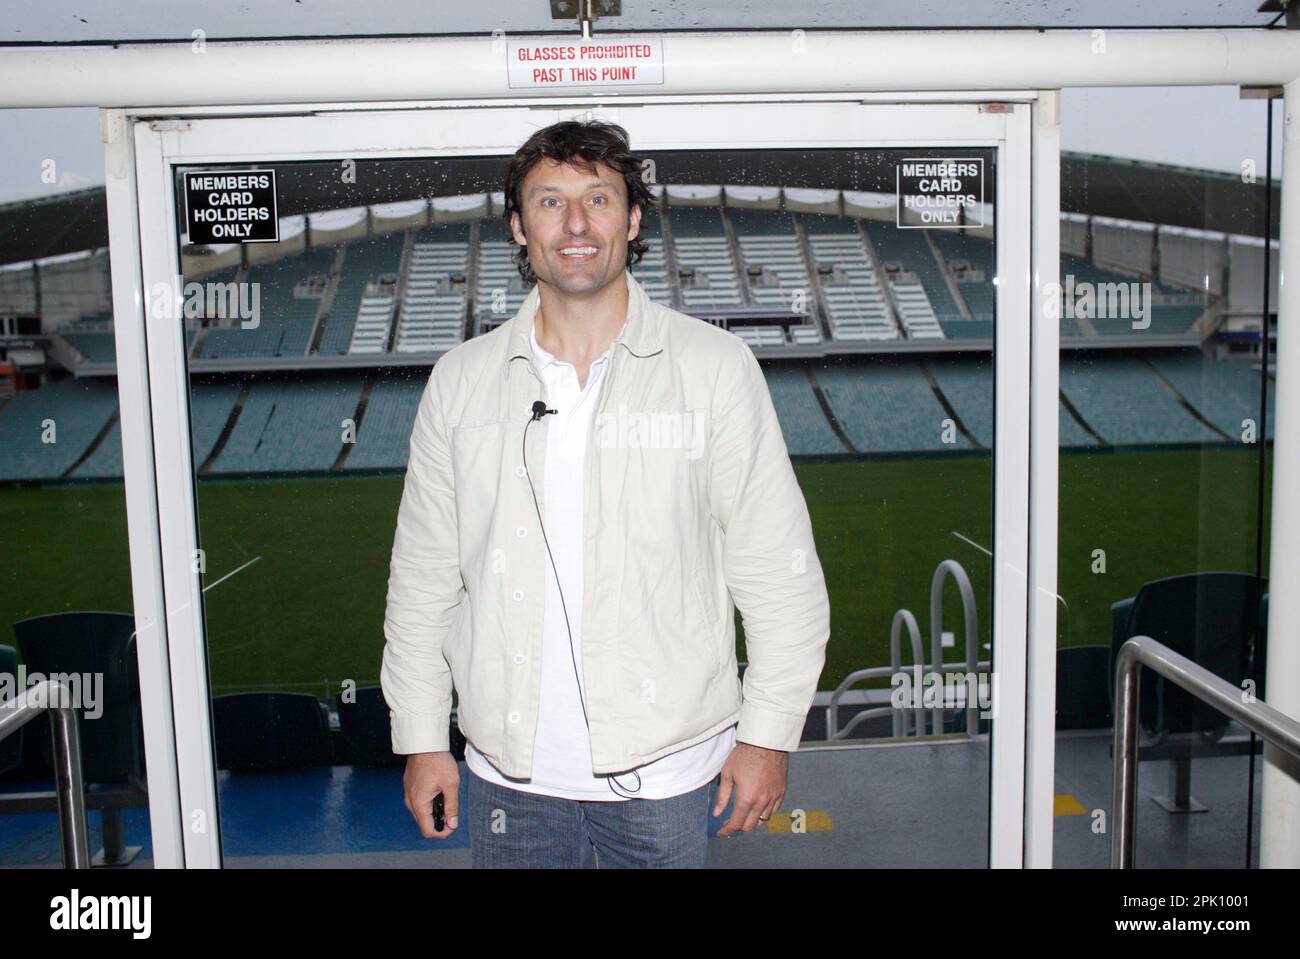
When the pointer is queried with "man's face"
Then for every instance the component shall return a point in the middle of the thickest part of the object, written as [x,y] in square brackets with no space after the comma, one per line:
[576,225]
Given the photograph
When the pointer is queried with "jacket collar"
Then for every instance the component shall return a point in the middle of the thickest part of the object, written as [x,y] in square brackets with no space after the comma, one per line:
[641,335]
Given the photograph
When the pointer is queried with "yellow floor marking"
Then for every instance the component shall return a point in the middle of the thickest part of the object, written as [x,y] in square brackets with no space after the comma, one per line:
[812,820]
[1067,805]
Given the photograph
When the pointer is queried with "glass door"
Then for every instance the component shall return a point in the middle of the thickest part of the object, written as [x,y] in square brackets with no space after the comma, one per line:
[876,257]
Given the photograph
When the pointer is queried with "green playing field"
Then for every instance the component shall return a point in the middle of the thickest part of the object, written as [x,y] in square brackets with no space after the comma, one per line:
[307,613]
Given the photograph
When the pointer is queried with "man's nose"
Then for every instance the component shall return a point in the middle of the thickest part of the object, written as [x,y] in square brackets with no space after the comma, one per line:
[575,219]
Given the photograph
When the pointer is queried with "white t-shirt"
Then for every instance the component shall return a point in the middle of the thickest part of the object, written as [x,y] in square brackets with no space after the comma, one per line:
[562,746]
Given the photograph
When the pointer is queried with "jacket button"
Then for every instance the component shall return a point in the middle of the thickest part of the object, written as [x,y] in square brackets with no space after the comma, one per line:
[513,717]
[519,659]
[521,532]
[519,594]
[520,471]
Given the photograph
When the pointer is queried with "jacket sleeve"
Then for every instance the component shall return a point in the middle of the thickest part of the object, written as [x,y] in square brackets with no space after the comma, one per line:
[424,589]
[769,559]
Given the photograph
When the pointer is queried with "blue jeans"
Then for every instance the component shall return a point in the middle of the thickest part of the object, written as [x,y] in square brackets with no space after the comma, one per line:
[513,829]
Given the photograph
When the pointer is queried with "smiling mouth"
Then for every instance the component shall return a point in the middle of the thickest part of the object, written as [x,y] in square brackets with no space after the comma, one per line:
[579,254]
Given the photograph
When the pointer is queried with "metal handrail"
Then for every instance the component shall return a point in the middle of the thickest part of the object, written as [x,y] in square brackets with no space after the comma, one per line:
[54,696]
[950,567]
[904,618]
[1275,727]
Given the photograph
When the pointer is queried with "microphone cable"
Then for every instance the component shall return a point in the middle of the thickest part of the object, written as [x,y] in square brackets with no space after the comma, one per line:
[540,410]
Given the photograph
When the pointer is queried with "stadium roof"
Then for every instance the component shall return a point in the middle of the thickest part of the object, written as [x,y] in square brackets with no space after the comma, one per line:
[66,21]
[1097,185]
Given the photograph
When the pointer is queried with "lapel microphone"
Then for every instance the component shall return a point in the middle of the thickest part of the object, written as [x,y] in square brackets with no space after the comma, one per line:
[540,410]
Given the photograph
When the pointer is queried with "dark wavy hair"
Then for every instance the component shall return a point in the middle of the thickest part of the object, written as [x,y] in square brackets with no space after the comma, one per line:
[583,145]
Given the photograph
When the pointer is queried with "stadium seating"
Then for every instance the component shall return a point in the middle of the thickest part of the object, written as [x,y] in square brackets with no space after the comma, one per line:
[1163,318]
[857,281]
[966,381]
[652,271]
[805,426]
[96,346]
[977,254]
[1224,393]
[967,329]
[1209,617]
[286,319]
[366,728]
[267,730]
[99,644]
[499,292]
[357,323]
[856,306]
[921,287]
[44,432]
[210,406]
[1119,398]
[1071,434]
[290,426]
[435,295]
[384,434]
[759,337]
[705,263]
[885,404]
[772,258]
[105,460]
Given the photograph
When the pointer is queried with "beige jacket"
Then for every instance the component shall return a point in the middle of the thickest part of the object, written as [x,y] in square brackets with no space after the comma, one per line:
[690,504]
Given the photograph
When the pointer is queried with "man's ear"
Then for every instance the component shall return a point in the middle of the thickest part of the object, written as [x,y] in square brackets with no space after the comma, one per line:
[634,222]
[516,227]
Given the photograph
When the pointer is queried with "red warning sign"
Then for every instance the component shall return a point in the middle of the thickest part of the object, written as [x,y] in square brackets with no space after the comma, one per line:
[584,63]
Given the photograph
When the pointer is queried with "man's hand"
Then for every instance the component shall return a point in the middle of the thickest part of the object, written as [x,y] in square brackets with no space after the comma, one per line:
[428,774]
[759,777]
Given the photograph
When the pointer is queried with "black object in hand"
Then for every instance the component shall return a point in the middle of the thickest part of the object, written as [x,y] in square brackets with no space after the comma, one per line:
[439,823]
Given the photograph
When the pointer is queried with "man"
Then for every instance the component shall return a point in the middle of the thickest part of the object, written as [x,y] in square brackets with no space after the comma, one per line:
[573,578]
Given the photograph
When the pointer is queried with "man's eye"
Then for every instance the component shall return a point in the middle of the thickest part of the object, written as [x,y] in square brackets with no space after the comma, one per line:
[598,199]
[547,201]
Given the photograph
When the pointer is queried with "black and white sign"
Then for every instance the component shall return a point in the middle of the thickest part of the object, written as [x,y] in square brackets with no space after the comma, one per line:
[231,206]
[939,192]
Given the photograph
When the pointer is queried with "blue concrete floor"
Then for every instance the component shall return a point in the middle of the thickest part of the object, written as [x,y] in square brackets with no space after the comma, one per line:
[866,806]
[326,811]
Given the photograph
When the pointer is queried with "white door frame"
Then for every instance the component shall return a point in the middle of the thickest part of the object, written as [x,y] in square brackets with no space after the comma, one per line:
[154,386]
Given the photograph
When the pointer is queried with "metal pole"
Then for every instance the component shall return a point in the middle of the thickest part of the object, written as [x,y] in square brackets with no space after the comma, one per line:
[69,785]
[1276,727]
[1125,758]
[169,75]
[53,696]
[1279,835]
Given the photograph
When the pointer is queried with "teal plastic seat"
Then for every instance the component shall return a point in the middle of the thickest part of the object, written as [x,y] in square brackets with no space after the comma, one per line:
[92,643]
[1211,618]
